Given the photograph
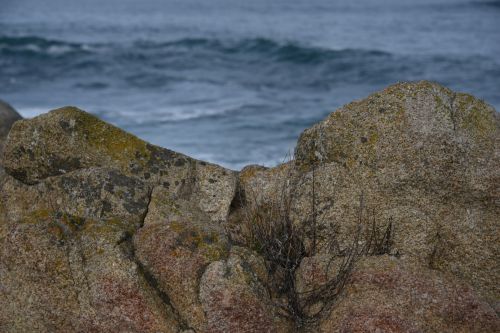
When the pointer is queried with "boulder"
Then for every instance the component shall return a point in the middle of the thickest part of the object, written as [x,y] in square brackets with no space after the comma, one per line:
[234,296]
[415,158]
[175,245]
[423,158]
[103,232]
[69,139]
[76,192]
[387,294]
[62,266]
[8,116]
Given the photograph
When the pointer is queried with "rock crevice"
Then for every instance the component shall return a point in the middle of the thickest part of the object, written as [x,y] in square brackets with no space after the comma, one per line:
[103,232]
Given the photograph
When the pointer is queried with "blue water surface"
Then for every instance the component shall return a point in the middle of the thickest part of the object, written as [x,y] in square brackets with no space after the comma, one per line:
[235,82]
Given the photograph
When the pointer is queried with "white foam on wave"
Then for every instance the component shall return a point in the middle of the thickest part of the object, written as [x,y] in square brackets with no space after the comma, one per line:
[27,47]
[174,112]
[59,49]
[56,49]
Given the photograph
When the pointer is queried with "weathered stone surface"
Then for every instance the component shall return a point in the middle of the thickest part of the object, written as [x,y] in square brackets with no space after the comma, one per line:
[7,117]
[423,157]
[256,185]
[86,213]
[235,298]
[416,155]
[102,232]
[386,294]
[54,283]
[97,194]
[62,267]
[69,139]
[175,245]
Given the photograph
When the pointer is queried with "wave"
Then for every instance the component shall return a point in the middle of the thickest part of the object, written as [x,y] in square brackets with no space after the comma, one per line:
[280,51]
[139,50]
[227,76]
[33,45]
[490,3]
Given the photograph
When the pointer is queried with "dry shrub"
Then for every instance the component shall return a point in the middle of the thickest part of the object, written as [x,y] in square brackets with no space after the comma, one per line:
[267,228]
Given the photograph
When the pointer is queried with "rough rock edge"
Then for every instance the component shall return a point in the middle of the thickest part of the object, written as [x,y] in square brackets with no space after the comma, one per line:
[128,248]
[148,277]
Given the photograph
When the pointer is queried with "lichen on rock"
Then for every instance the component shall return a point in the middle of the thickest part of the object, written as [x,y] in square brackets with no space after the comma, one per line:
[103,232]
[433,171]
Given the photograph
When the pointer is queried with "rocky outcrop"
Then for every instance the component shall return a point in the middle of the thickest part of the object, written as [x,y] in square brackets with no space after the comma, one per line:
[423,158]
[418,156]
[72,213]
[103,232]
[389,294]
[417,160]
[7,117]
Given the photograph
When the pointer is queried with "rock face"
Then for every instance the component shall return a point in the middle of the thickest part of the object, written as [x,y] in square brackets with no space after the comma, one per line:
[103,232]
[74,210]
[387,294]
[425,159]
[7,117]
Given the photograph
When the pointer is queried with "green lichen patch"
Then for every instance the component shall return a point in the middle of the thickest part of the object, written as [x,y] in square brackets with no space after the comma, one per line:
[207,242]
[69,139]
[64,226]
[59,224]
[109,226]
[120,146]
[475,116]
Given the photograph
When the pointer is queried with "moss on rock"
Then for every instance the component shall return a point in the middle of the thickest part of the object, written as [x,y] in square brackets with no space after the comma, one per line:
[68,139]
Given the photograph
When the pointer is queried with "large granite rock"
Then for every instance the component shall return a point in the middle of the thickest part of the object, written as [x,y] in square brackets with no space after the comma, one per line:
[69,209]
[62,266]
[235,298]
[417,156]
[7,117]
[103,232]
[387,294]
[425,159]
[176,244]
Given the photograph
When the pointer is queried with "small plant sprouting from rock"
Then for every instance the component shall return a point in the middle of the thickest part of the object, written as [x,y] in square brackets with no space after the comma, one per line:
[268,229]
[378,243]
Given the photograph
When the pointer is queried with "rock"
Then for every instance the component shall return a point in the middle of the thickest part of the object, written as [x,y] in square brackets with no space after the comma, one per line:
[429,165]
[84,274]
[96,194]
[53,287]
[415,156]
[386,294]
[69,139]
[176,244]
[103,232]
[256,184]
[7,117]
[62,268]
[234,296]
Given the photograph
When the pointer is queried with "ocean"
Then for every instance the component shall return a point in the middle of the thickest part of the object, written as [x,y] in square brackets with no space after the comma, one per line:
[236,82]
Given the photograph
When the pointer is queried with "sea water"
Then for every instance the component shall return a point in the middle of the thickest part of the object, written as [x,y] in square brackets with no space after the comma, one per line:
[235,82]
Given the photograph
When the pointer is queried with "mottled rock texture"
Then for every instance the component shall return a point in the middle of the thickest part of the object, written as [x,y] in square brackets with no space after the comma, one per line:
[69,210]
[103,232]
[389,294]
[424,158]
[7,117]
